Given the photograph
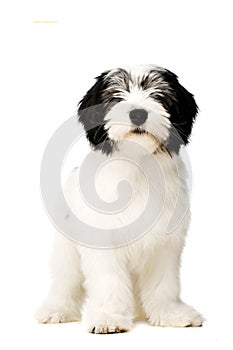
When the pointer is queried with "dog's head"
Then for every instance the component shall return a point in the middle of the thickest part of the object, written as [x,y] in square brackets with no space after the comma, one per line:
[146,103]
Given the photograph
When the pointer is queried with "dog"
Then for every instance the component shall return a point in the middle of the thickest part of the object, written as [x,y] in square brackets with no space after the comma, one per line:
[140,117]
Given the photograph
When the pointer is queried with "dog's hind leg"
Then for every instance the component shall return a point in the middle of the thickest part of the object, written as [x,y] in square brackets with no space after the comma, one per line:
[64,300]
[160,289]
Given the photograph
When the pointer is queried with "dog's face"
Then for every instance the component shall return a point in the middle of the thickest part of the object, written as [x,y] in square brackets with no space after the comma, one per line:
[146,103]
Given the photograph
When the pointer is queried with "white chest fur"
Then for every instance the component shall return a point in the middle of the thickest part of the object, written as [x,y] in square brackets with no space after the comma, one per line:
[151,189]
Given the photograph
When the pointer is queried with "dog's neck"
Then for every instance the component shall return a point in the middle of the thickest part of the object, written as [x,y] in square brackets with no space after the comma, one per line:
[146,144]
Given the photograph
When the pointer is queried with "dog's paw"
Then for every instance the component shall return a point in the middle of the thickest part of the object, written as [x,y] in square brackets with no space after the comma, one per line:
[106,329]
[105,324]
[177,315]
[53,314]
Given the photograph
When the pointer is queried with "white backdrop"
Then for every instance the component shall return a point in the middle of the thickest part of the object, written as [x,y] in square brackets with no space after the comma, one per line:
[46,68]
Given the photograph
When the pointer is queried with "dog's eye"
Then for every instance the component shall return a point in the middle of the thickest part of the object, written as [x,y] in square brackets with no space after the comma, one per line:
[155,94]
[115,99]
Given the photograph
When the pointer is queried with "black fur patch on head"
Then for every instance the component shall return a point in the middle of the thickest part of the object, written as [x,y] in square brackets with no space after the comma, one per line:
[182,108]
[91,112]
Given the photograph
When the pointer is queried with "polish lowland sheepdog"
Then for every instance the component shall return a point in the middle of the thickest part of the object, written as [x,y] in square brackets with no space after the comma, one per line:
[139,119]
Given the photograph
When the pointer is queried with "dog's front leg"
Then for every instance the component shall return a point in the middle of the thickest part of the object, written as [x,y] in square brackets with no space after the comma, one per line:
[109,291]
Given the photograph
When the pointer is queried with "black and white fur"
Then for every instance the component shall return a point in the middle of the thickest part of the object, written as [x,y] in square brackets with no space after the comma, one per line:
[139,280]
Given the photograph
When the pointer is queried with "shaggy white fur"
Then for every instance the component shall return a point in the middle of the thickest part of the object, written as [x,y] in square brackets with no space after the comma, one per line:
[141,279]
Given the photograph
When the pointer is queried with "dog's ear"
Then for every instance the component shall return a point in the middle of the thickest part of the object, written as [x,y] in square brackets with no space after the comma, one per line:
[182,110]
[94,97]
[91,112]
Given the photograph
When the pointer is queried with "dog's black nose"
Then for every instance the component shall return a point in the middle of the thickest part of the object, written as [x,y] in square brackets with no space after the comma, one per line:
[138,116]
